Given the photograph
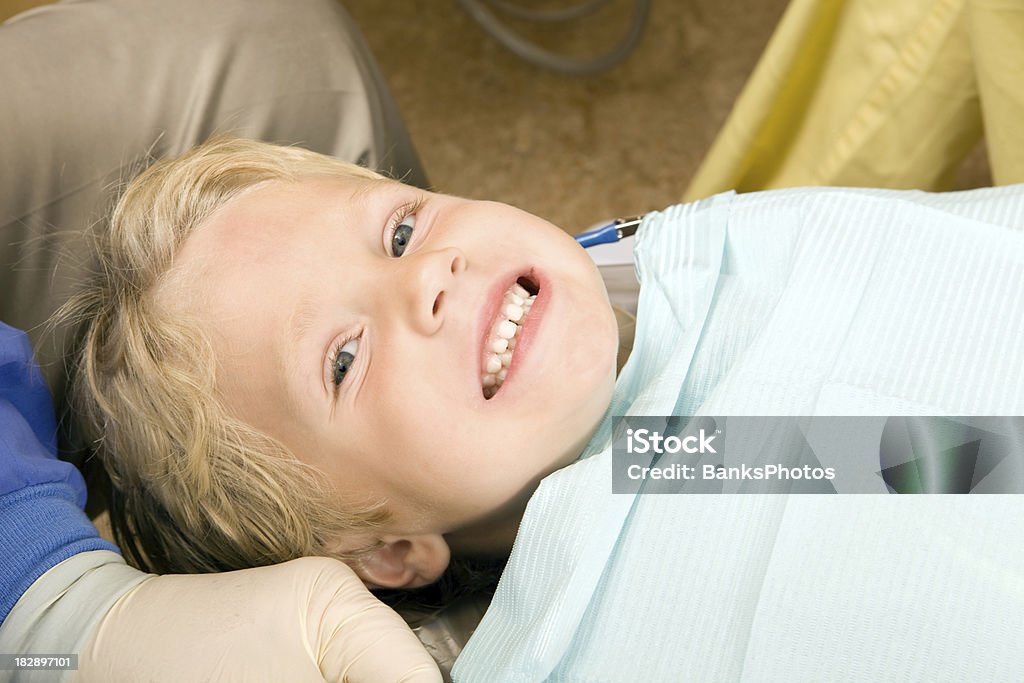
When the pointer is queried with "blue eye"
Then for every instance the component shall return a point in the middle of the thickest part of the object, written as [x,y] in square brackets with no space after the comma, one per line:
[402,235]
[343,359]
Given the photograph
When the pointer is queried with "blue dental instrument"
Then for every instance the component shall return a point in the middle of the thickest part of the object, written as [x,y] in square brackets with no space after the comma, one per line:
[611,233]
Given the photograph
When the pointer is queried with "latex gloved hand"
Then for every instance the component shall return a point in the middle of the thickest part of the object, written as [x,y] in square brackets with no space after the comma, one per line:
[310,619]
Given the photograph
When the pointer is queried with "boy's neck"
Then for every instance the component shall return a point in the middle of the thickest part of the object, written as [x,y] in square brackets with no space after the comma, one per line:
[491,537]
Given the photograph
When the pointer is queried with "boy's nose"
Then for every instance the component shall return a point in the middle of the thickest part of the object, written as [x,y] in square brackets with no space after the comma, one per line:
[430,279]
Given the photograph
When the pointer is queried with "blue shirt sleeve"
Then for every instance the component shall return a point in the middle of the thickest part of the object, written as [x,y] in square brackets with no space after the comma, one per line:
[42,499]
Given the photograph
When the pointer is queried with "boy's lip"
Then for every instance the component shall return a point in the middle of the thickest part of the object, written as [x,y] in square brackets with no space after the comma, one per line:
[489,311]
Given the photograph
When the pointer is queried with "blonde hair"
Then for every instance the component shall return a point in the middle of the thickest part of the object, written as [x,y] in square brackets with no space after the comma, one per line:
[194,489]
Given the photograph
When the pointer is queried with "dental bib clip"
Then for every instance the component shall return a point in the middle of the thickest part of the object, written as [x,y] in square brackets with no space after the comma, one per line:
[611,233]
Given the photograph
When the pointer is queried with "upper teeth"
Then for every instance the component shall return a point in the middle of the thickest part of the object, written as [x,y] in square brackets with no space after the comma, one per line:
[502,339]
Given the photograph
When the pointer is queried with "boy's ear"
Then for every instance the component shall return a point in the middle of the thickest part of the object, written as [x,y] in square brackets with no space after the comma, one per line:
[404,562]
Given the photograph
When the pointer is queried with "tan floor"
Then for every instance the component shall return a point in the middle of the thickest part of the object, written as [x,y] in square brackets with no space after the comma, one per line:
[8,8]
[574,150]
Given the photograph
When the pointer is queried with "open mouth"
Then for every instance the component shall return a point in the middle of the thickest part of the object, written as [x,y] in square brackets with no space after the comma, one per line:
[500,345]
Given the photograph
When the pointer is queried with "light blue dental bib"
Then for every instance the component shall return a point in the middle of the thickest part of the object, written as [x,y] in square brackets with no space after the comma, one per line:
[790,302]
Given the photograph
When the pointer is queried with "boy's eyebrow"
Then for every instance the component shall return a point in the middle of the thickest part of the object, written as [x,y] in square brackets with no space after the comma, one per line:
[299,324]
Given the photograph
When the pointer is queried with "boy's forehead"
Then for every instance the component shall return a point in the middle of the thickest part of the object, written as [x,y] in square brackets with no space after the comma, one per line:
[272,222]
[291,199]
[260,220]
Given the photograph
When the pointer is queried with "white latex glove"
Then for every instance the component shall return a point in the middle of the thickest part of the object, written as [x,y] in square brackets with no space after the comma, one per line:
[310,619]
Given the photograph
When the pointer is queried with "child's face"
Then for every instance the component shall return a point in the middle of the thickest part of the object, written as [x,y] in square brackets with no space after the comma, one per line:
[368,365]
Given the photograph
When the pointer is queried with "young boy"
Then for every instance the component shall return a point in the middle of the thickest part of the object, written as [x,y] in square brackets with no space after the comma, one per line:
[294,356]
[289,361]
